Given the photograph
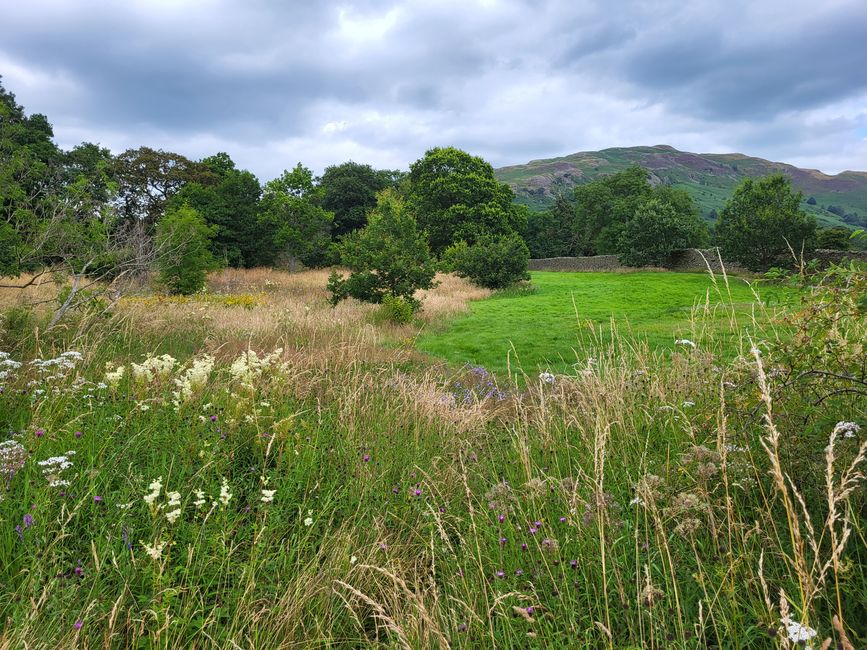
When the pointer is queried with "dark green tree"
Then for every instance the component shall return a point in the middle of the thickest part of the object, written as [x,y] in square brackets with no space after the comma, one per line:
[657,229]
[549,233]
[456,197]
[389,256]
[184,238]
[228,199]
[763,221]
[291,216]
[603,207]
[838,239]
[349,192]
[493,261]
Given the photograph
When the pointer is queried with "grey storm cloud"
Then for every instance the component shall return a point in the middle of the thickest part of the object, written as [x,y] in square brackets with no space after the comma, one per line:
[274,82]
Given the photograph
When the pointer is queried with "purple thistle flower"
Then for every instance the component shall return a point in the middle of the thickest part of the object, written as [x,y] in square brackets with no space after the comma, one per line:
[501,518]
[39,433]
[503,541]
[573,564]
[523,546]
[462,627]
[537,524]
[530,610]
[78,571]
[519,572]
[533,530]
[213,418]
[78,624]
[562,520]
[417,492]
[366,458]
[501,574]
[20,532]
[97,498]
[28,521]
[78,434]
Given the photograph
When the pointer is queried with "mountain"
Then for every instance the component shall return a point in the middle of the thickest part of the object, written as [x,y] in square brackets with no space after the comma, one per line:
[839,200]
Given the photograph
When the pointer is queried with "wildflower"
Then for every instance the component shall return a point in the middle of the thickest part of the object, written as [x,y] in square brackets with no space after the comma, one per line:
[462,627]
[155,487]
[20,532]
[77,625]
[213,418]
[847,429]
[200,499]
[78,571]
[366,458]
[685,342]
[501,574]
[353,560]
[688,404]
[174,499]
[40,432]
[77,434]
[562,520]
[173,515]
[523,546]
[501,518]
[796,632]
[194,378]
[97,498]
[155,551]
[225,495]
[113,377]
[503,541]
[546,377]
[268,496]
[28,521]
[308,521]
[417,492]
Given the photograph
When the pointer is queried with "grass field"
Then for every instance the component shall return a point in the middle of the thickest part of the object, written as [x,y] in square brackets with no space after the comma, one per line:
[568,315]
[297,476]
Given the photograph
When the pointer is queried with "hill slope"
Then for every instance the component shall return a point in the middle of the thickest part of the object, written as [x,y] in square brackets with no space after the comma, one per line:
[709,178]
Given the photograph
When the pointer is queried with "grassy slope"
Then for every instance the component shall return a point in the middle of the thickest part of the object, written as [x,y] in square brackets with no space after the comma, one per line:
[709,178]
[544,330]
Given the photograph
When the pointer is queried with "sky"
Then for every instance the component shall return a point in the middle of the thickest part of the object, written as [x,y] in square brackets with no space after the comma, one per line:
[275,82]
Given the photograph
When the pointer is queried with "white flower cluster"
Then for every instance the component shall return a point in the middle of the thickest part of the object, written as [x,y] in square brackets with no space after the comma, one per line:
[846,429]
[248,366]
[153,368]
[155,488]
[53,467]
[13,455]
[798,633]
[685,342]
[155,551]
[193,378]
[58,366]
[546,377]
[113,377]
[8,366]
[225,495]
[268,495]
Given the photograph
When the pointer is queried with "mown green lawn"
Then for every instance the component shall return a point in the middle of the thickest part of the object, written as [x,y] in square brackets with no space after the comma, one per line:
[569,313]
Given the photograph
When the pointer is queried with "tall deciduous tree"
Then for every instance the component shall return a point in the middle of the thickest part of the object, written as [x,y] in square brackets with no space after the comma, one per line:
[657,229]
[762,221]
[349,191]
[455,197]
[290,214]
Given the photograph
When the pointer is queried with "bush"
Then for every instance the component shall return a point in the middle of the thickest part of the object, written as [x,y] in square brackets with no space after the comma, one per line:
[387,257]
[183,239]
[657,230]
[494,261]
[396,309]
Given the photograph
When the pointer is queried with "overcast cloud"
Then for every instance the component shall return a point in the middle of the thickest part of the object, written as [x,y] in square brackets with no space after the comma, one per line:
[276,82]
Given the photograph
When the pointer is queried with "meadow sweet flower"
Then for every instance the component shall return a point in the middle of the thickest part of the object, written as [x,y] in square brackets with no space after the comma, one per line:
[308,521]
[155,551]
[225,495]
[268,496]
[155,488]
[113,377]
[172,516]
[200,499]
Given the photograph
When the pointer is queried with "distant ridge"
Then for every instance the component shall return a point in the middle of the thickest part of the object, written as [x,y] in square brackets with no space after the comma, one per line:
[840,200]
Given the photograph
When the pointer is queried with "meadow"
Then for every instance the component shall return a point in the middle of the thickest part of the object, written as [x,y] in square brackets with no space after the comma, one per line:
[549,326]
[251,468]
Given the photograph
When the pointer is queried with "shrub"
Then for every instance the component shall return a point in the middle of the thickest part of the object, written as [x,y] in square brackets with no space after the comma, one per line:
[183,238]
[397,309]
[494,261]
[387,257]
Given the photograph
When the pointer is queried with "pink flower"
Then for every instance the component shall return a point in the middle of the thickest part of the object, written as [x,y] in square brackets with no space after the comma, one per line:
[78,624]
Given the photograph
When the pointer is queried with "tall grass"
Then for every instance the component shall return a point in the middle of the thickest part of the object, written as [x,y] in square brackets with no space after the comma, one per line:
[646,499]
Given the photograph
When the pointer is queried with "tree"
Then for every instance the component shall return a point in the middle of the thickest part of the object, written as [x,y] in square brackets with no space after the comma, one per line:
[656,230]
[603,207]
[834,238]
[549,233]
[185,236]
[349,191]
[228,199]
[493,261]
[147,178]
[763,221]
[456,197]
[296,224]
[389,256]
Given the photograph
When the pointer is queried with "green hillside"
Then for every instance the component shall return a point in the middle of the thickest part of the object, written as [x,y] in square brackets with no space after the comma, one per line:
[709,178]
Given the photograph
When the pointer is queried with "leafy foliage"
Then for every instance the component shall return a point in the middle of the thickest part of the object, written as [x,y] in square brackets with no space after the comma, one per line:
[656,230]
[550,233]
[185,236]
[349,192]
[297,225]
[839,239]
[762,221]
[456,197]
[493,261]
[389,256]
